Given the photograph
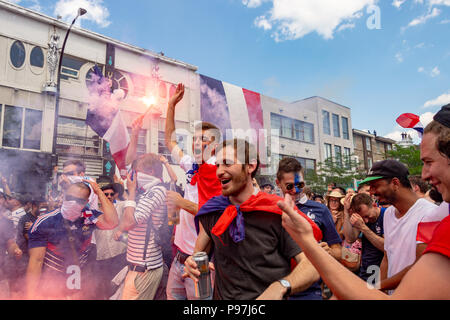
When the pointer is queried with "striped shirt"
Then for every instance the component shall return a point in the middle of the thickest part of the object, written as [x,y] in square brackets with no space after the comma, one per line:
[151,205]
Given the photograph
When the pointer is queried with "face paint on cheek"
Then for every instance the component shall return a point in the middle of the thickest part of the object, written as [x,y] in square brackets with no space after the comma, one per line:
[296,183]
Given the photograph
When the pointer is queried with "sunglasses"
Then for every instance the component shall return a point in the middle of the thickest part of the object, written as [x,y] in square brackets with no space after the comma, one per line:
[108,194]
[70,173]
[77,200]
[299,185]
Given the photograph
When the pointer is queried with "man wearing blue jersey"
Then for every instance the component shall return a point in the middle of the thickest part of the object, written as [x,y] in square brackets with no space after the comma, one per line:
[290,180]
[363,217]
[60,242]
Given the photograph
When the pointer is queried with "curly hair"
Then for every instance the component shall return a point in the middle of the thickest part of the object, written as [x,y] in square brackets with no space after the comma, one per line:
[443,137]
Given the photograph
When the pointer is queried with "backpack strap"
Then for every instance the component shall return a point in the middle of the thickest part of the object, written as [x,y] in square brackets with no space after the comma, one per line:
[150,228]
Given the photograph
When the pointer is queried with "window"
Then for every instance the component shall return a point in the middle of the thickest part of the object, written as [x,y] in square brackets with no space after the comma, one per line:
[293,129]
[326,122]
[328,154]
[388,147]
[70,68]
[120,82]
[369,163]
[338,155]
[164,151]
[345,133]
[32,129]
[275,123]
[17,54]
[17,118]
[142,144]
[75,137]
[347,157]
[336,126]
[368,144]
[286,127]
[307,164]
[37,57]
[303,131]
[12,126]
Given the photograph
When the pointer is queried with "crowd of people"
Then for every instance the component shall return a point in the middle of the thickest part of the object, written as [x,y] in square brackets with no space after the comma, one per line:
[135,238]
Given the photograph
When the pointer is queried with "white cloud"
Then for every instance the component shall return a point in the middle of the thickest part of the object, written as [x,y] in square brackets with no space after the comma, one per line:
[293,19]
[439,2]
[262,22]
[399,57]
[398,3]
[422,19]
[445,21]
[421,69]
[96,11]
[442,100]
[435,72]
[345,26]
[253,3]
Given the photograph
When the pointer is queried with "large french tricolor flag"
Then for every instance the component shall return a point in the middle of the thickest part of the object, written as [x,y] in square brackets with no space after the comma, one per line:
[411,121]
[107,122]
[232,107]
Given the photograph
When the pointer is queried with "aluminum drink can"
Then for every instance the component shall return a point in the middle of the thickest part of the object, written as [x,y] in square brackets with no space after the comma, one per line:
[124,238]
[203,287]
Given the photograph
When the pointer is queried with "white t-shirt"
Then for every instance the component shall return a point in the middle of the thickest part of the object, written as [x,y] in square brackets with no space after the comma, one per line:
[400,235]
[185,232]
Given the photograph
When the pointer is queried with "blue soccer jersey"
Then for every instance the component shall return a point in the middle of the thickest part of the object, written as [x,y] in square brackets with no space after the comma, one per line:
[321,216]
[68,243]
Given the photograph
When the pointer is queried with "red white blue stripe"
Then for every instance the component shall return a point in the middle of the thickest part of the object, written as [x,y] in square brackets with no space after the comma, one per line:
[411,121]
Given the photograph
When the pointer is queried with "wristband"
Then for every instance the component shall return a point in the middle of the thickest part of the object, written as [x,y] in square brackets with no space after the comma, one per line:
[130,203]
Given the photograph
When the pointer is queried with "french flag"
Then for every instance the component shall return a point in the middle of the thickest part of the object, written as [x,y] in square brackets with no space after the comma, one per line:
[411,121]
[105,119]
[232,107]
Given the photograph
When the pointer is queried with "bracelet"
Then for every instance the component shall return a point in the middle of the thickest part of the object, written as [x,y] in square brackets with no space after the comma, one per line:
[130,203]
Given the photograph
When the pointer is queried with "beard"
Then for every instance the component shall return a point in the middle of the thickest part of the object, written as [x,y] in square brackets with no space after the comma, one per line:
[238,183]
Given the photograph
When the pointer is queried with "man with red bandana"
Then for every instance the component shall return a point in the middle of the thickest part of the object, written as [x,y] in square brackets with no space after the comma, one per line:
[252,252]
[201,185]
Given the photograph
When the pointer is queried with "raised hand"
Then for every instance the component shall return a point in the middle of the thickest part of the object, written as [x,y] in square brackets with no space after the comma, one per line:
[136,126]
[178,95]
[357,221]
[95,187]
[294,223]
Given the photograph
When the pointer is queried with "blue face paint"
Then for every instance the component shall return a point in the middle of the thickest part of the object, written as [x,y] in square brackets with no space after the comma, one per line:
[297,182]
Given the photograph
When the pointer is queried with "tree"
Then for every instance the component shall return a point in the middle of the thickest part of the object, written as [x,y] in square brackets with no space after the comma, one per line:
[333,170]
[409,156]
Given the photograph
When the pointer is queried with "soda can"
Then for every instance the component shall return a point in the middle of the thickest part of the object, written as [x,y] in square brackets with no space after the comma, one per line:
[203,287]
[124,238]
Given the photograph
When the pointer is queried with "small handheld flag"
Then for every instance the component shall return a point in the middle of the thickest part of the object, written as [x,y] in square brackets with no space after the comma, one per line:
[411,121]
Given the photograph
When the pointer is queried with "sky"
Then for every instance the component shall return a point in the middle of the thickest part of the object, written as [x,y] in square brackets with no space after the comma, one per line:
[381,58]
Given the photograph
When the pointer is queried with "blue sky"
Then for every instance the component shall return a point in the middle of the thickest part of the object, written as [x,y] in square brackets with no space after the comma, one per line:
[294,49]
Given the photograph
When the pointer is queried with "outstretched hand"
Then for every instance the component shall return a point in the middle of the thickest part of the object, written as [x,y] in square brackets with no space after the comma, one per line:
[295,224]
[178,95]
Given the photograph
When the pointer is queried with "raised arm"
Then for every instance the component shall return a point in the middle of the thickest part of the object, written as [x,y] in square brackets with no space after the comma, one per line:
[350,233]
[136,126]
[170,136]
[109,219]
[172,174]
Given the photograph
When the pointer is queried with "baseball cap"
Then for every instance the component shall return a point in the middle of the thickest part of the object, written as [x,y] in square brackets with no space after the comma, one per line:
[386,169]
[443,116]
[19,197]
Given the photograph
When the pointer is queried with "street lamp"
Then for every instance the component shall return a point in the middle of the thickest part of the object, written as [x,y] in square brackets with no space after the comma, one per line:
[81,12]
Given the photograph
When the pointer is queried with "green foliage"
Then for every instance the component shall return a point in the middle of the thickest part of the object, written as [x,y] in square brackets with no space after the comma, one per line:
[331,170]
[409,156]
